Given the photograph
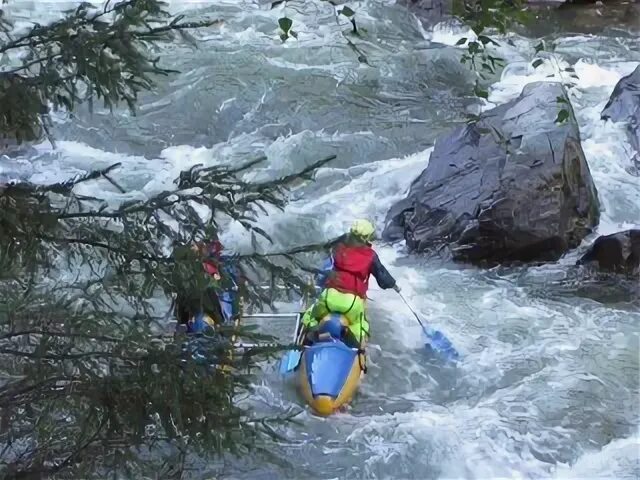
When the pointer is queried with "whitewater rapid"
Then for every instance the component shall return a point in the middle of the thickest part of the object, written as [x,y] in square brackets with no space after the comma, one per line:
[548,383]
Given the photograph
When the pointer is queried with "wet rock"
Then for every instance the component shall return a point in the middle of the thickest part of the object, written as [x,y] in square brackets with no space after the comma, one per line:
[429,12]
[616,253]
[561,282]
[624,106]
[589,17]
[625,99]
[552,16]
[515,186]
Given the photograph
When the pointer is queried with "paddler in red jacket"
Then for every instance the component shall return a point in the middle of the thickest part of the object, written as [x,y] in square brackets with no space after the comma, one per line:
[345,290]
[219,298]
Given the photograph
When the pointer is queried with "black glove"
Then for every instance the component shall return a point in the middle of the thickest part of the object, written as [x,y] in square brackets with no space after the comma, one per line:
[312,334]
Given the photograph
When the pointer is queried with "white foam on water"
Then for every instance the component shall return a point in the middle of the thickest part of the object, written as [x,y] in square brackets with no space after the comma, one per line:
[368,195]
[608,152]
[605,144]
[437,440]
[617,460]
[339,70]
[517,349]
[448,34]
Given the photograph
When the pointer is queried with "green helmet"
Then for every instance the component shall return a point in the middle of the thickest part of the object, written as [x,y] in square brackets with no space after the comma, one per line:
[363,229]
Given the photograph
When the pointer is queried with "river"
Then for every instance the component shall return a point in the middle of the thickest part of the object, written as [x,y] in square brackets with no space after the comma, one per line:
[548,384]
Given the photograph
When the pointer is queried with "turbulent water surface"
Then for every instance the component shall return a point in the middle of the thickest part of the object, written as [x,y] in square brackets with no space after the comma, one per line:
[548,384]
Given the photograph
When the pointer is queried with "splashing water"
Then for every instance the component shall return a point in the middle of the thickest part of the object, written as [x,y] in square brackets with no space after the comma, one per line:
[548,384]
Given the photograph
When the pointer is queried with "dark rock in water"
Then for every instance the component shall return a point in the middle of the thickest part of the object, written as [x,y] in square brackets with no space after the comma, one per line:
[625,99]
[553,17]
[429,12]
[624,106]
[616,253]
[558,282]
[515,186]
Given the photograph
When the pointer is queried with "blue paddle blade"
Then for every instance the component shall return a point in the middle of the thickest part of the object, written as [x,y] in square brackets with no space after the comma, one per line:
[290,361]
[441,345]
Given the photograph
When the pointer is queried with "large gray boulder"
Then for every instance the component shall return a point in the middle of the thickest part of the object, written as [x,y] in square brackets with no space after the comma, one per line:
[616,253]
[515,186]
[624,106]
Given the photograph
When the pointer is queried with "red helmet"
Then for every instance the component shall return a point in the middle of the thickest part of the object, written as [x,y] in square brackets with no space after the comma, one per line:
[215,248]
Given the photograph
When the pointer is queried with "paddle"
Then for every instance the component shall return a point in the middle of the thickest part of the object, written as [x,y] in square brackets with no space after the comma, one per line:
[291,359]
[437,340]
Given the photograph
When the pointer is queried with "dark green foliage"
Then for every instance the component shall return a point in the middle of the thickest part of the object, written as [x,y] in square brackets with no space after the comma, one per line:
[480,92]
[285,24]
[86,391]
[92,385]
[351,15]
[484,16]
[89,373]
[92,382]
[90,54]
[563,116]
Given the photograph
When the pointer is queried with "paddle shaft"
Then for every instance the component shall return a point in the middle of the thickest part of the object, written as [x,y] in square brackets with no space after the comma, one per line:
[412,311]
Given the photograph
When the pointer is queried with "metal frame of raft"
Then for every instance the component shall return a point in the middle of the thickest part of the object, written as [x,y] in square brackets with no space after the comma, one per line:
[328,372]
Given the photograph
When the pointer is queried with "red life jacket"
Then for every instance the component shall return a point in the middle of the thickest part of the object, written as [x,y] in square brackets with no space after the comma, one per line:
[351,269]
[214,249]
[210,267]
